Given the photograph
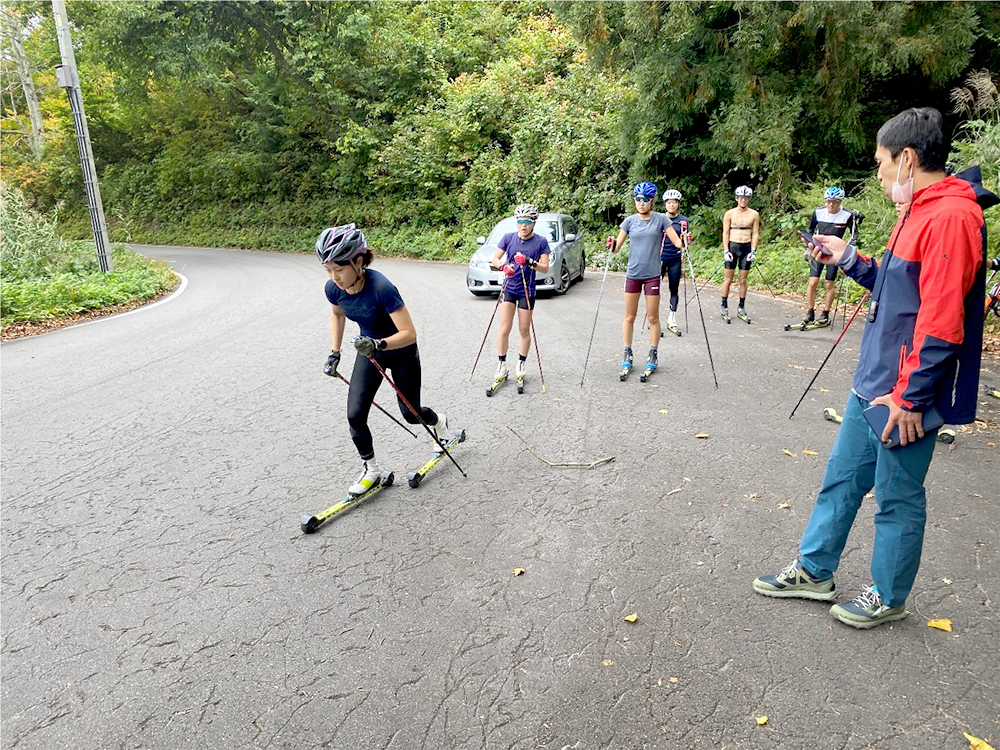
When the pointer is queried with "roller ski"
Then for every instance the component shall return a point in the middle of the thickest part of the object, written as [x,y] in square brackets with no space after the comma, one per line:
[830,415]
[650,366]
[414,478]
[368,484]
[991,390]
[725,315]
[810,323]
[741,313]
[498,379]
[626,366]
[672,327]
[520,377]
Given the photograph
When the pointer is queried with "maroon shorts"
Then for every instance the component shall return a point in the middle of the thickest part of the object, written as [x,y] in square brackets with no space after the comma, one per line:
[649,287]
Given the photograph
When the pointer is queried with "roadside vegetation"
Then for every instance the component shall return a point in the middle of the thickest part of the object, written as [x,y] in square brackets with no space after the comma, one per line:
[45,277]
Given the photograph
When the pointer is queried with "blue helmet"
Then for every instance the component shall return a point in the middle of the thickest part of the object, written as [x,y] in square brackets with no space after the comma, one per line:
[645,190]
[834,193]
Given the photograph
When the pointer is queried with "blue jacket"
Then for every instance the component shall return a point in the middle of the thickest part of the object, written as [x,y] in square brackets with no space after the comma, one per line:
[924,338]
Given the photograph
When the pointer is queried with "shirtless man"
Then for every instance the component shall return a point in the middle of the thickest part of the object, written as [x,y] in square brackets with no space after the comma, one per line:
[740,232]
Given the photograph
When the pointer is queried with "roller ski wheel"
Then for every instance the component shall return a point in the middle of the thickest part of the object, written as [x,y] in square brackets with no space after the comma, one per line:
[626,369]
[830,415]
[946,436]
[742,315]
[310,524]
[520,383]
[414,478]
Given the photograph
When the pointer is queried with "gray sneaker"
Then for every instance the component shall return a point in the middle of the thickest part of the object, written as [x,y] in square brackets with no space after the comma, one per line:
[794,582]
[867,610]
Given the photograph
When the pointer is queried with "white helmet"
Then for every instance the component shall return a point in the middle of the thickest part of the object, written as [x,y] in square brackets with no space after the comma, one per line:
[672,195]
[743,191]
[526,211]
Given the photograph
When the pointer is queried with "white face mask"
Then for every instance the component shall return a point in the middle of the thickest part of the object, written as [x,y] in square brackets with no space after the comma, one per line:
[902,193]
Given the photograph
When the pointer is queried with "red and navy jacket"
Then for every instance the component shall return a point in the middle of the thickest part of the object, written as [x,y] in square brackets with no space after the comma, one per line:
[924,337]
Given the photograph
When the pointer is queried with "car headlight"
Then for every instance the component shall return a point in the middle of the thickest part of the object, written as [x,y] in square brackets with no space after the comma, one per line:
[477,263]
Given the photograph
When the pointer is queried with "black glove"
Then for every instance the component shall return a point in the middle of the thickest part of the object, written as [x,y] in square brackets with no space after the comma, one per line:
[331,364]
[995,264]
[365,345]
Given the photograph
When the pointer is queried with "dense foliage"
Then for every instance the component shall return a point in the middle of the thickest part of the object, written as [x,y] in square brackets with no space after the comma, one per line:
[45,277]
[257,123]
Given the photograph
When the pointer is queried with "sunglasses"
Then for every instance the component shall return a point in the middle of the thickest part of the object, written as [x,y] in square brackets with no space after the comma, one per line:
[642,199]
[525,222]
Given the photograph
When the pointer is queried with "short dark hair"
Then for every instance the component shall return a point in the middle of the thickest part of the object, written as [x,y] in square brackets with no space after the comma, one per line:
[920,128]
[366,259]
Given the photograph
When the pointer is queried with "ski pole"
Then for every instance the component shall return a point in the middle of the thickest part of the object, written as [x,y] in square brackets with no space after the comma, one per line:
[415,413]
[764,279]
[684,273]
[381,409]
[701,312]
[486,335]
[607,262]
[531,320]
[707,280]
[823,363]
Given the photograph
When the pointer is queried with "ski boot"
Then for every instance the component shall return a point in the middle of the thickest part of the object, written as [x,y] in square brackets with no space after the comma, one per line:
[370,476]
[650,366]
[672,327]
[823,320]
[441,433]
[498,379]
[725,315]
[626,365]
[741,313]
[520,376]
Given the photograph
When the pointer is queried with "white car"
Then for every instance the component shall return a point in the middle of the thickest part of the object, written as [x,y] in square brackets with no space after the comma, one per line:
[566,264]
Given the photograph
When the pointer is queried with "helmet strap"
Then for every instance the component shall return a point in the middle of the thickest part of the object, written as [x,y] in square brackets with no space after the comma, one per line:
[358,278]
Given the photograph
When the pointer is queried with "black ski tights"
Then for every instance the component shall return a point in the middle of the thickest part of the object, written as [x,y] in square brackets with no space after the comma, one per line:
[404,369]
[672,269]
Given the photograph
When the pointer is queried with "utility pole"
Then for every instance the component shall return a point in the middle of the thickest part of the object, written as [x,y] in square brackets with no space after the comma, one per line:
[67,78]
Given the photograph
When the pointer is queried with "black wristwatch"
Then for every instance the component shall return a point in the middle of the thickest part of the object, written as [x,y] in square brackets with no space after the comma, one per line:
[381,345]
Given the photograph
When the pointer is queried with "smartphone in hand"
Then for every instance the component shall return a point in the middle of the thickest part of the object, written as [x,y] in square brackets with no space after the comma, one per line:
[809,238]
[878,415]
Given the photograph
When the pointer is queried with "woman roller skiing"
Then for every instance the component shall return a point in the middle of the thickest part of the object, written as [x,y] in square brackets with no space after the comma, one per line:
[526,253]
[645,230]
[387,333]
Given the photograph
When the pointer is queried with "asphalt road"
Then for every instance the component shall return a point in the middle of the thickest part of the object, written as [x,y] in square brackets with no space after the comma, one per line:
[158,593]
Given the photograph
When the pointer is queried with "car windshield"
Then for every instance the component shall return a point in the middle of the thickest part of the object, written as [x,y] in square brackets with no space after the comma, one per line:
[549,229]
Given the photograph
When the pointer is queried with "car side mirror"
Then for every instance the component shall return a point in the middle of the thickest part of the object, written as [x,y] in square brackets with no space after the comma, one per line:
[480,240]
[571,238]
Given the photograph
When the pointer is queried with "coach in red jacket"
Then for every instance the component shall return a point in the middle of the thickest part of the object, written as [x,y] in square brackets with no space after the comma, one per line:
[920,352]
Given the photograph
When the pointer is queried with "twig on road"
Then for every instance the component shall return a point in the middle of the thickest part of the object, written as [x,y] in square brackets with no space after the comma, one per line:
[544,460]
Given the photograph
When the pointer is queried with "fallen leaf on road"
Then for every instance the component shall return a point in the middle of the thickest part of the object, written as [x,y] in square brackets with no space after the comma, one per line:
[991,445]
[761,720]
[702,436]
[810,453]
[519,571]
[975,495]
[754,496]
[977,744]
[632,617]
[942,624]
[797,367]
[870,496]
[664,411]
[784,505]
[673,680]
[787,452]
[674,491]
[946,580]
[607,662]
[824,390]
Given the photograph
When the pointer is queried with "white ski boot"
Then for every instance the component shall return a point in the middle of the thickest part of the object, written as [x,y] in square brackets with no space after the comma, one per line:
[370,476]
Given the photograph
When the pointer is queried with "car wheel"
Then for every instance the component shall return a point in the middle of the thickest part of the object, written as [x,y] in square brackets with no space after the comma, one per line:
[562,285]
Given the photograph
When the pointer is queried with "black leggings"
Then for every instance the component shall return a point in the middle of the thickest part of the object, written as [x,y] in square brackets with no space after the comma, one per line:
[404,366]
[672,269]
